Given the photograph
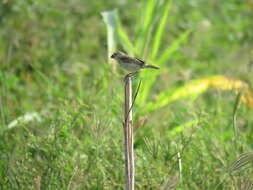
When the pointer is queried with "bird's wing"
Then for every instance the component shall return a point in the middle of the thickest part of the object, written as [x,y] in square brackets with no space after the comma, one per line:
[141,61]
[128,59]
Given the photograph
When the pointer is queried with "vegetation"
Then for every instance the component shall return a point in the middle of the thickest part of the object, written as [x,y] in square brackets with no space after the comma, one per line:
[61,98]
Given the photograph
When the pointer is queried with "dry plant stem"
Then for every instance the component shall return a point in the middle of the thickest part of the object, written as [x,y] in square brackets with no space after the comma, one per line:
[128,134]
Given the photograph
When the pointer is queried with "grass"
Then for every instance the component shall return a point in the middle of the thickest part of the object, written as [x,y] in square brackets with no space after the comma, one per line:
[53,63]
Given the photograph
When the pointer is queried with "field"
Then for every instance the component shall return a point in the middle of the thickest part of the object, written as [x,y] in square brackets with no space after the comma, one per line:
[62,97]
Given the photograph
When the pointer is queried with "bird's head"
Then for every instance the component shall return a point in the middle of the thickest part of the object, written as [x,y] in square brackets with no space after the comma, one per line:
[116,55]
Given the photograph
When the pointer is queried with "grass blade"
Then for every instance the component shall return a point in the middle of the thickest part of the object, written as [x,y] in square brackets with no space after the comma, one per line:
[159,31]
[243,160]
[150,77]
[123,37]
[145,26]
[171,49]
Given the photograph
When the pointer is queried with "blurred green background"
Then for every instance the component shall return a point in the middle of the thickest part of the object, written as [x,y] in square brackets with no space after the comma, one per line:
[61,103]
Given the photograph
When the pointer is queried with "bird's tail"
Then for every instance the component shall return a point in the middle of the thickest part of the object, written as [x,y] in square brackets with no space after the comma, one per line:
[151,67]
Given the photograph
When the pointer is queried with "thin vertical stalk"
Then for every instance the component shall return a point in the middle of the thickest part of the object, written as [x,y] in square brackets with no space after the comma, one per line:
[128,134]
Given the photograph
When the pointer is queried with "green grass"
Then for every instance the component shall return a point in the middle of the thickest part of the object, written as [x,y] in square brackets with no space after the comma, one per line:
[53,62]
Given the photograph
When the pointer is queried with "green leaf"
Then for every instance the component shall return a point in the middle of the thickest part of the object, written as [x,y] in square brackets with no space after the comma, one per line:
[159,31]
[145,26]
[171,49]
[150,77]
[123,37]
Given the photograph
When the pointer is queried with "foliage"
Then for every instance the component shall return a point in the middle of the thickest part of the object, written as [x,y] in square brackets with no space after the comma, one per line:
[153,20]
[61,103]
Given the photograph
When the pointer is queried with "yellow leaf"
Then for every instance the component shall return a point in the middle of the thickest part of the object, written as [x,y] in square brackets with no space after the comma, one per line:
[197,87]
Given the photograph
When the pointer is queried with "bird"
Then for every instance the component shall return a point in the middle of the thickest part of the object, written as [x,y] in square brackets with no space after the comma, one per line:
[131,64]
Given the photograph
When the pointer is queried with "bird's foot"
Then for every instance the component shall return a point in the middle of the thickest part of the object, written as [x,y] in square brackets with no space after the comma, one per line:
[131,75]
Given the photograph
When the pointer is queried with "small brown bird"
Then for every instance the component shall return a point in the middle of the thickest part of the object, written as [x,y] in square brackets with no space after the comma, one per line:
[131,63]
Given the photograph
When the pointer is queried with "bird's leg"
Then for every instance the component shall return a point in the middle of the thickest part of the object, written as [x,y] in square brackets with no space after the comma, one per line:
[130,75]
